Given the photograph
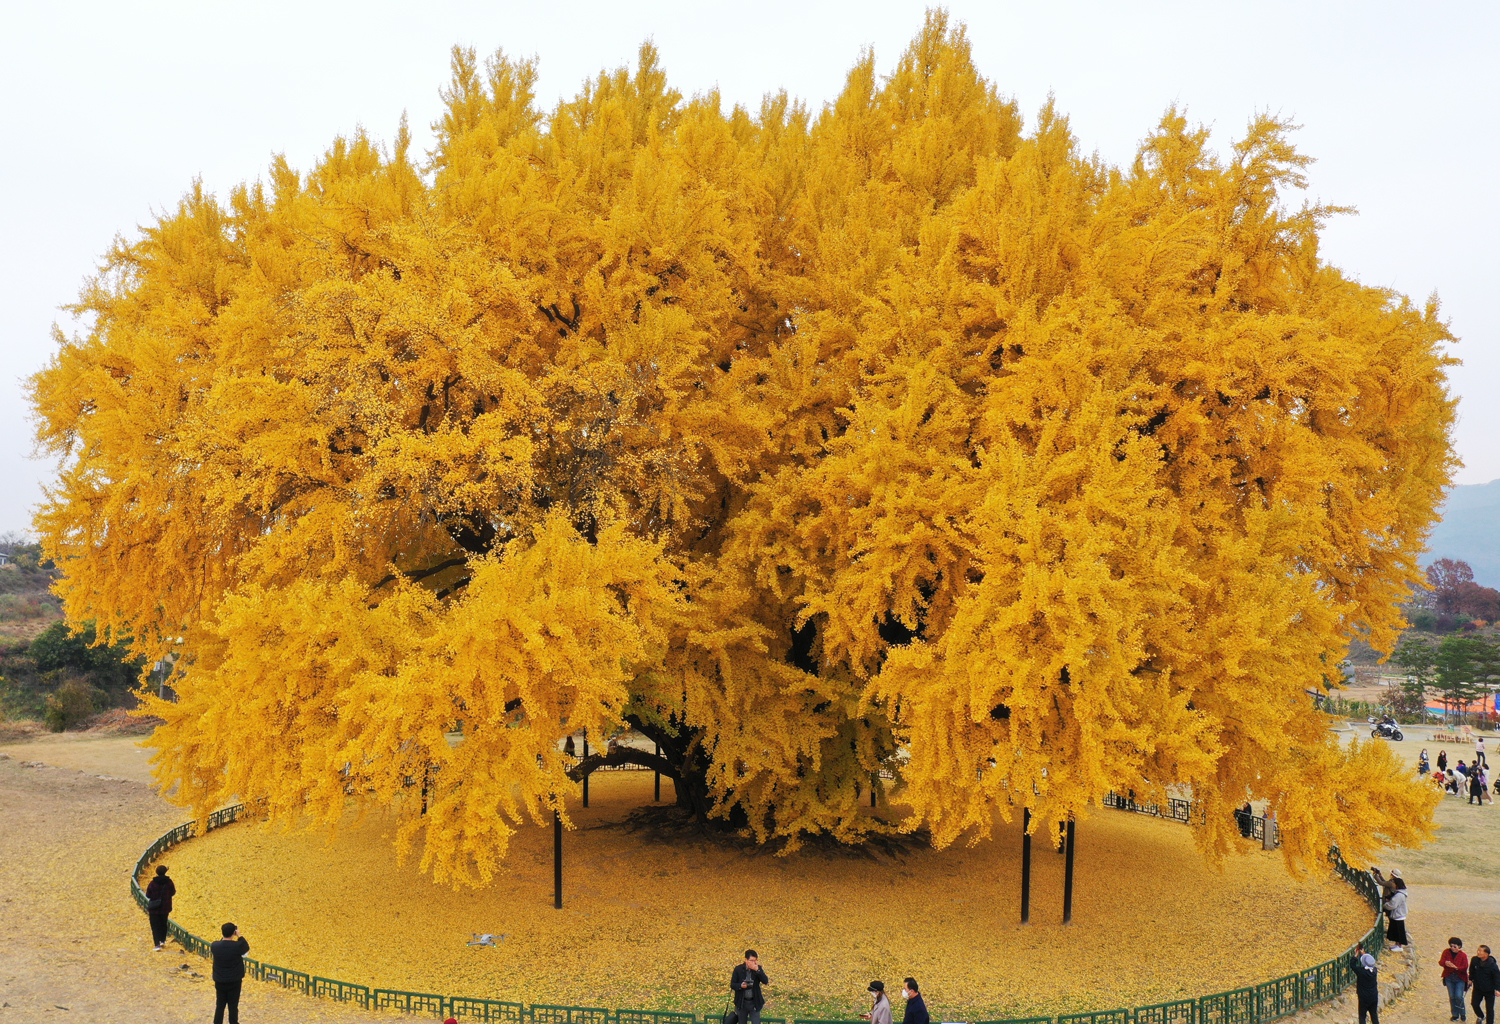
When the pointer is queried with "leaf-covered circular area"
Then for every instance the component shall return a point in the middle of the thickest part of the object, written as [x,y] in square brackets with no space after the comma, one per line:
[659,926]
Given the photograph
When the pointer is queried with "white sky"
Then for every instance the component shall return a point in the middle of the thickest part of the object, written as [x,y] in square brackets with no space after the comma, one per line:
[110,110]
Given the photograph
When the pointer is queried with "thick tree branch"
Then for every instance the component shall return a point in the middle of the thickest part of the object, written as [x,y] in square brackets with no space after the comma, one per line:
[421,574]
[617,756]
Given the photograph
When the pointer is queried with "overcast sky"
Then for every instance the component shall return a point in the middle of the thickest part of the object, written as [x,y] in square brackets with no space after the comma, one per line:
[111,109]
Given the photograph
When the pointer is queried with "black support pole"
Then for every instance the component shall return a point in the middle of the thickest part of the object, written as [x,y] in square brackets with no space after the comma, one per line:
[657,797]
[585,778]
[1026,865]
[873,780]
[1068,878]
[557,860]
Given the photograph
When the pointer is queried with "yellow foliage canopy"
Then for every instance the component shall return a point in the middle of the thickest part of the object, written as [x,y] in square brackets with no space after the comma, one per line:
[891,438]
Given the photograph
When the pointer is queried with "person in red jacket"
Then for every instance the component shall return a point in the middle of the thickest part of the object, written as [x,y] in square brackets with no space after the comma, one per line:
[1455,965]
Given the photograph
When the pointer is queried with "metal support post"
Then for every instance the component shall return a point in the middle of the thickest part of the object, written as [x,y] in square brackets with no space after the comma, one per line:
[1026,865]
[1068,877]
[557,860]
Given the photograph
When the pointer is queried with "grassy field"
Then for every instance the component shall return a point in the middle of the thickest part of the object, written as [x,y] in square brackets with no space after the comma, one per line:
[1467,852]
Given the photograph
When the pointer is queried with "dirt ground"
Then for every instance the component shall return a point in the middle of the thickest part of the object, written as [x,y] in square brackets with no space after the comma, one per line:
[1454,883]
[74,946]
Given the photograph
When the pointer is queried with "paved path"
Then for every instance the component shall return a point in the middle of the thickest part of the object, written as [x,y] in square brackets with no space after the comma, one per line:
[1438,911]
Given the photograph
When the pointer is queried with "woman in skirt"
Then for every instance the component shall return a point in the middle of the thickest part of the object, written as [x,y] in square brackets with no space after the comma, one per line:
[1395,915]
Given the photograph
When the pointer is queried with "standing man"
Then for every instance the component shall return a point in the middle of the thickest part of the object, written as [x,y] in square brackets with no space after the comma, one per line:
[745,983]
[916,1008]
[1365,985]
[1484,977]
[229,972]
[1479,751]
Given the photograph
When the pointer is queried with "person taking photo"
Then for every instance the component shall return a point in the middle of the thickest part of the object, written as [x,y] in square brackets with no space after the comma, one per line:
[229,972]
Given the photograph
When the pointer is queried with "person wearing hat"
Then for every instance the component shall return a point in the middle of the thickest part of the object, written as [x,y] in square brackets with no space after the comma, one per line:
[1366,985]
[1395,915]
[159,893]
[1387,885]
[880,1013]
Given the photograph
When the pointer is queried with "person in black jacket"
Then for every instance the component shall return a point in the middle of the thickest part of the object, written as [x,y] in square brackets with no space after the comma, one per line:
[229,972]
[916,1008]
[1365,985]
[745,983]
[159,891]
[1484,979]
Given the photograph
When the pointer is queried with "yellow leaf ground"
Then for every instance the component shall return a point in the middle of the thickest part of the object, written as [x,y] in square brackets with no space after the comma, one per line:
[659,927]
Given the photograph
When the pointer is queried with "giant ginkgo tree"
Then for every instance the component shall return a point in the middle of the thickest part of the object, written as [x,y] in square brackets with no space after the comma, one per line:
[896,438]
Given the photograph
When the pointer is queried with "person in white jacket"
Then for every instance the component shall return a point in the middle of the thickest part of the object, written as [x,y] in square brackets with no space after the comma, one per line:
[1395,913]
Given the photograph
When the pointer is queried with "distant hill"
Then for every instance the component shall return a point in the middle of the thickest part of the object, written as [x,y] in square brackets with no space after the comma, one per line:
[1470,531]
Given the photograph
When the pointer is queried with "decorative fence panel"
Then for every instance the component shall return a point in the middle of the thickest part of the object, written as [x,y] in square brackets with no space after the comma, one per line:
[1278,998]
[486,1009]
[542,1014]
[1322,982]
[658,1017]
[341,991]
[1183,1011]
[411,1002]
[1234,1007]
[1098,1017]
[286,977]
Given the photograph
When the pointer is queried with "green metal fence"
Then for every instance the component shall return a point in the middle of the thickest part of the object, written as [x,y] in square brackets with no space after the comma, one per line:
[1183,1011]
[411,1002]
[540,1013]
[1097,1017]
[341,991]
[1259,1004]
[467,1008]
